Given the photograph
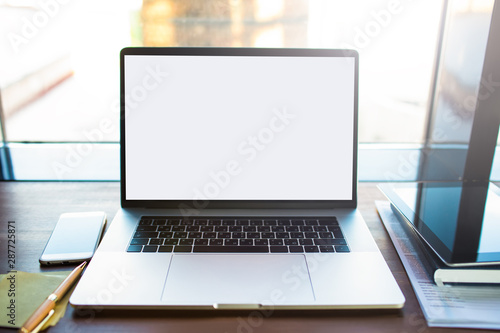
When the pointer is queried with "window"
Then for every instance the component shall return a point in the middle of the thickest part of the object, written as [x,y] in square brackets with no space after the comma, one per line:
[59,63]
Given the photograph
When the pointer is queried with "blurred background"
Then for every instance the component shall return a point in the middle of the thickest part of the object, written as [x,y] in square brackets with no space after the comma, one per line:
[59,69]
[59,59]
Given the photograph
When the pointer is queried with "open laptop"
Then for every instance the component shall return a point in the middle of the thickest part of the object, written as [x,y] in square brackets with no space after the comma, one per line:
[238,186]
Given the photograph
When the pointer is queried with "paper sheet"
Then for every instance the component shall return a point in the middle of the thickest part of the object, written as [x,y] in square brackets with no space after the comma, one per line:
[28,292]
[447,306]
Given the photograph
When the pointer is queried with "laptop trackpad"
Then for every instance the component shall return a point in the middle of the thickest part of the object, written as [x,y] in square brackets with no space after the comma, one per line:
[225,279]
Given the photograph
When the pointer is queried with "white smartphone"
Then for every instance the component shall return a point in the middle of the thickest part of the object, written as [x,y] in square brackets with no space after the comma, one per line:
[74,239]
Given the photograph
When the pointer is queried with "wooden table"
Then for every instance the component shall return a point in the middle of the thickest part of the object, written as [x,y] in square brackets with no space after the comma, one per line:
[36,206]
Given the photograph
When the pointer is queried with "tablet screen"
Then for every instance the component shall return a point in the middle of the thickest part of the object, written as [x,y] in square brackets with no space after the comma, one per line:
[461,223]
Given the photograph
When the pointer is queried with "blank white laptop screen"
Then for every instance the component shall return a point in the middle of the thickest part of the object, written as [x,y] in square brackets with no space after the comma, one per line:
[239,128]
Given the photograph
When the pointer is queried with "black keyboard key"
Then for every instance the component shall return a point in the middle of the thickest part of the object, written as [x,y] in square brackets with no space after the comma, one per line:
[325,235]
[230,242]
[292,228]
[270,222]
[297,235]
[179,228]
[209,235]
[275,242]
[263,242]
[326,248]
[180,234]
[200,222]
[283,222]
[249,228]
[139,241]
[231,249]
[173,222]
[318,241]
[166,234]
[156,241]
[296,249]
[310,234]
[195,235]
[321,228]
[201,242]
[342,248]
[306,228]
[224,235]
[242,222]
[267,235]
[159,222]
[311,222]
[146,228]
[192,228]
[228,222]
[187,222]
[253,234]
[282,235]
[207,228]
[171,242]
[311,248]
[145,234]
[263,228]
[221,228]
[134,248]
[238,235]
[165,248]
[164,228]
[329,221]
[146,222]
[186,241]
[278,228]
[256,222]
[180,248]
[246,242]
[149,248]
[330,241]
[297,222]
[291,242]
[306,241]
[338,234]
[214,222]
[234,228]
[278,249]
[216,242]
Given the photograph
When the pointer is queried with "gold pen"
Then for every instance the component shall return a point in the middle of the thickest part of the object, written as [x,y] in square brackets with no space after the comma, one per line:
[41,315]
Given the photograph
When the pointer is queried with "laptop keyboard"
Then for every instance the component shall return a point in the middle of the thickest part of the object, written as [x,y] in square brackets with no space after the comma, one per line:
[238,235]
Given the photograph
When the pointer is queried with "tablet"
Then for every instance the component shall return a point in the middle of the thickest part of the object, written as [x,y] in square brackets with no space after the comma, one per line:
[459,221]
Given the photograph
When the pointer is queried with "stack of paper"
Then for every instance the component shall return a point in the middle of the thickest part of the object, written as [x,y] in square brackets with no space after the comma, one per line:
[443,306]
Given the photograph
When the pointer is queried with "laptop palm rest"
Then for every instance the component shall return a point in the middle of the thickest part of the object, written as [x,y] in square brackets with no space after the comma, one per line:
[223,280]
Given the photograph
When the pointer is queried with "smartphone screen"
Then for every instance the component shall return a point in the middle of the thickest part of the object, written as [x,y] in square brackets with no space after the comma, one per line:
[74,238]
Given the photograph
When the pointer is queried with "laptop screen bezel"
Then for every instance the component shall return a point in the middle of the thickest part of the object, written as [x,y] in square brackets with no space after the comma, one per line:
[237,204]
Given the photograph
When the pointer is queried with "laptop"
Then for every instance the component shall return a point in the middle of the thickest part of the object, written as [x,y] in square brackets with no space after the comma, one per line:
[238,186]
